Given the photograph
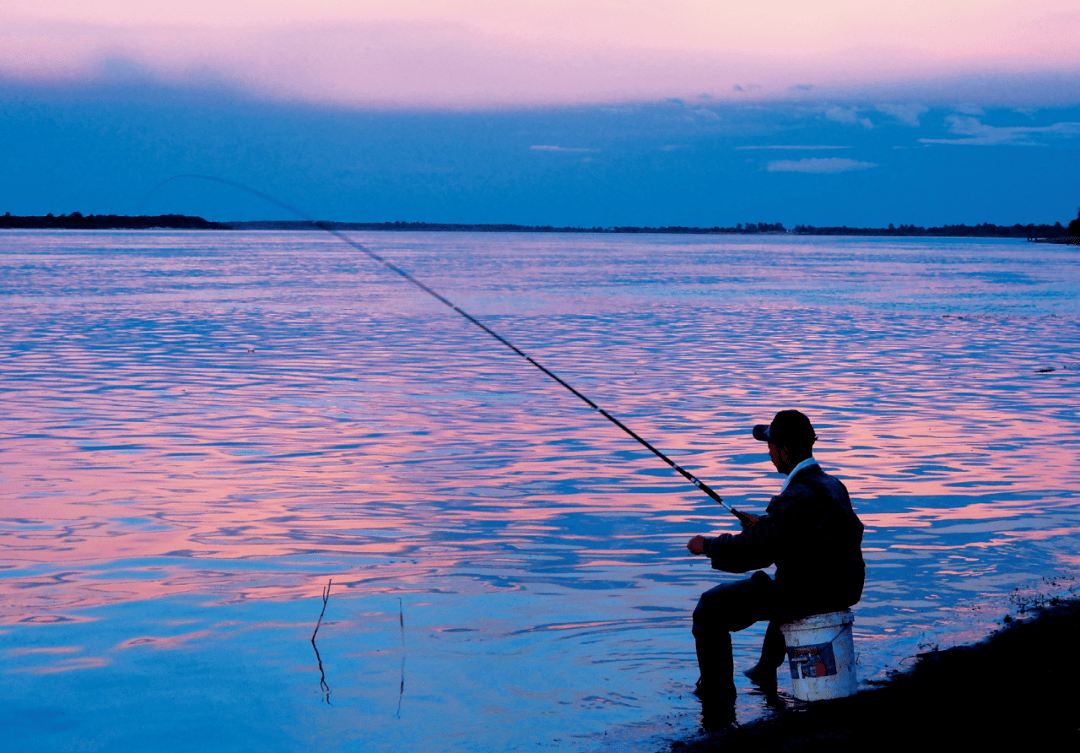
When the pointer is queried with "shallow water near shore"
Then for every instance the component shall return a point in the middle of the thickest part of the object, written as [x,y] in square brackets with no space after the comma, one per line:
[201,429]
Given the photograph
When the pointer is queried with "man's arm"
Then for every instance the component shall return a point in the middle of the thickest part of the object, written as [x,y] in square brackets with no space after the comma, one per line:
[697,544]
[750,550]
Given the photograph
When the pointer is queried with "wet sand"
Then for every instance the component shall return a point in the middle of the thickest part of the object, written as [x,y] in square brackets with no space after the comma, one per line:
[1018,687]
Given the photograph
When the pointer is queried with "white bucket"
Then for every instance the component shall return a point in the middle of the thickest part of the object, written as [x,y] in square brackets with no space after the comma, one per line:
[821,654]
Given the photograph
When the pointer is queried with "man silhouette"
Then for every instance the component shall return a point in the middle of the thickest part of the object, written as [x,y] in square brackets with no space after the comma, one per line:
[812,535]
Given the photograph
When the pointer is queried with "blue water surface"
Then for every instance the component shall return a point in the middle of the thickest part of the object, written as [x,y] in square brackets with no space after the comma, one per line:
[202,429]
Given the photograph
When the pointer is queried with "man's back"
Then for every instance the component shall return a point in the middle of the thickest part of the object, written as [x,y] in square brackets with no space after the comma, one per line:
[818,547]
[814,538]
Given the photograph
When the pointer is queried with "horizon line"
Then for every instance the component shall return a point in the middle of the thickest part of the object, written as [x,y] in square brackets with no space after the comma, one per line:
[78,221]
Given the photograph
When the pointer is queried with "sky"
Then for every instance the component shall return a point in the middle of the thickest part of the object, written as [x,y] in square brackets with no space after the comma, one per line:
[583,113]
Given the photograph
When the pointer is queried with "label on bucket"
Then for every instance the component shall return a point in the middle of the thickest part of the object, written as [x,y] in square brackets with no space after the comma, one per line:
[811,661]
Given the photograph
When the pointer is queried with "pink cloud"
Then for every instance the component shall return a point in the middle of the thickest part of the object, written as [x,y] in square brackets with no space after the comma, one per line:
[818,165]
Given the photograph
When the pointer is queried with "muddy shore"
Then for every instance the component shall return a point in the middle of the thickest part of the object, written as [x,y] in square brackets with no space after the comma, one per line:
[1018,687]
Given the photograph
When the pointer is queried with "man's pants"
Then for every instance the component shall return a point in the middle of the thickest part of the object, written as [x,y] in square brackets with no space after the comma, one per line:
[725,609]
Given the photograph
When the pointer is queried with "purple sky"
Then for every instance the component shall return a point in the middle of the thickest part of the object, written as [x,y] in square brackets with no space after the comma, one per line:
[473,54]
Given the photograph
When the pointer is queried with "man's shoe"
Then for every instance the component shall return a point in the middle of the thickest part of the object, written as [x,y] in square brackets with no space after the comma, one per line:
[762,675]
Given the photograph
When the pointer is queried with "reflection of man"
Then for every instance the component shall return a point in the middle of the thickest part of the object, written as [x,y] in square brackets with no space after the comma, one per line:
[810,533]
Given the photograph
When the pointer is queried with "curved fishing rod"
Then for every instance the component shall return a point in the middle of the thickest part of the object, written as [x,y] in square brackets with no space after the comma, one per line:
[398,270]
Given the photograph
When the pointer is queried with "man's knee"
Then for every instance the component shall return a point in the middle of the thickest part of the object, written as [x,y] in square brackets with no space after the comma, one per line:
[761,579]
[733,606]
[702,613]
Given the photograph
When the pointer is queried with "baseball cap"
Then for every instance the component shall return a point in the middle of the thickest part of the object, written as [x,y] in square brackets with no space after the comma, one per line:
[789,427]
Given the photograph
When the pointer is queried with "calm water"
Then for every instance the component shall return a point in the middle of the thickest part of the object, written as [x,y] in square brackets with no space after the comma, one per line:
[200,430]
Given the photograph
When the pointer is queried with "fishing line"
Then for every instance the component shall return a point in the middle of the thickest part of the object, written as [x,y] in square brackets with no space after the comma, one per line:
[399,271]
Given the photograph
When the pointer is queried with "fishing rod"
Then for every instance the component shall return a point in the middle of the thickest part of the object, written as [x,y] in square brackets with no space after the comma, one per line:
[743,517]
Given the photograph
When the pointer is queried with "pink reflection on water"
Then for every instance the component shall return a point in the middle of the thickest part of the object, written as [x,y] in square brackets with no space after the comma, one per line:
[163,643]
[148,453]
[924,517]
[1045,534]
[48,650]
[65,665]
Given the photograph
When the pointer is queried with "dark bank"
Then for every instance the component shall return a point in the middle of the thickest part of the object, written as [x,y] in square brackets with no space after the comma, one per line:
[1016,688]
[79,221]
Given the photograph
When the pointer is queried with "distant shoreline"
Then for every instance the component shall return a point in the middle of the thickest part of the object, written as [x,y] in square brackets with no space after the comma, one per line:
[78,221]
[986,230]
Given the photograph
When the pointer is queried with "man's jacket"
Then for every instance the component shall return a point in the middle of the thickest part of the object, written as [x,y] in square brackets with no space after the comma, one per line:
[814,538]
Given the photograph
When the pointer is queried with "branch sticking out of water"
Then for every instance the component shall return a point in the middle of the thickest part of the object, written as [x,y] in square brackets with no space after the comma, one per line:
[401,690]
[322,675]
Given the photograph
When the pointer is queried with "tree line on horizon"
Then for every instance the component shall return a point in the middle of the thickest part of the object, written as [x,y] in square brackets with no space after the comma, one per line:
[78,221]
[985,230]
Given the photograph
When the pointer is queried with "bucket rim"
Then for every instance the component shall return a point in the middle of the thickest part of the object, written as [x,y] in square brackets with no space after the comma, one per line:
[819,621]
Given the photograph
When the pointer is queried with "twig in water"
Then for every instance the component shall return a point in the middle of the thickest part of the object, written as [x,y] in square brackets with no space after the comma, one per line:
[401,621]
[322,675]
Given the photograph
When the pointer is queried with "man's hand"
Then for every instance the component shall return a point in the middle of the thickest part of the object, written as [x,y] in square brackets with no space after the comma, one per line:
[749,520]
[696,545]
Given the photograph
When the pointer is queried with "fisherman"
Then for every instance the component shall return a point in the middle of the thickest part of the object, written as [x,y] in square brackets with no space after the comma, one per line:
[810,533]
